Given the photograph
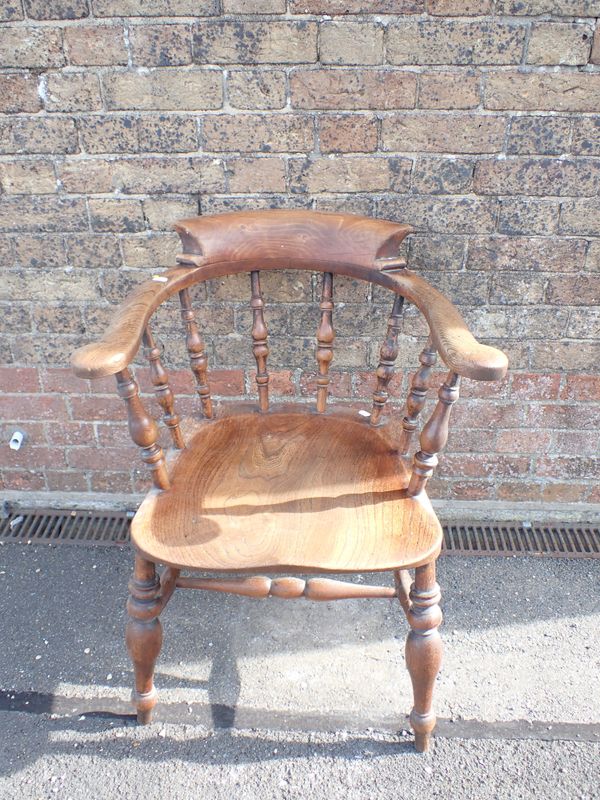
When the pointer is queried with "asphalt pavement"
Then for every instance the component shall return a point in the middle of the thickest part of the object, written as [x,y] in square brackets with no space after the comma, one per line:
[291,699]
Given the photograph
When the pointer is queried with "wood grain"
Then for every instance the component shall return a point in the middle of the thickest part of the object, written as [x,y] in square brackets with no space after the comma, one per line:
[292,239]
[288,491]
[364,248]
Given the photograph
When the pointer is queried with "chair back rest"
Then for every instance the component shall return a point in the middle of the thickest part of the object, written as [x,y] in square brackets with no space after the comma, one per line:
[346,244]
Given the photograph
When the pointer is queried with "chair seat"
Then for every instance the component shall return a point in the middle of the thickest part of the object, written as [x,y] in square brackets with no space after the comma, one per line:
[292,491]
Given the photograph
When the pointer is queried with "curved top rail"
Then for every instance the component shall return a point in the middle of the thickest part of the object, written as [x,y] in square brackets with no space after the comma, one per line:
[358,247]
[293,239]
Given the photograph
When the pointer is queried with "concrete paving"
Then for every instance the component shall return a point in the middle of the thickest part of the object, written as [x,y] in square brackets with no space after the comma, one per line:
[289,699]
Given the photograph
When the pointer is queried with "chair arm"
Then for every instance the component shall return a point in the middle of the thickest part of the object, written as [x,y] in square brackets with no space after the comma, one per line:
[457,346]
[117,348]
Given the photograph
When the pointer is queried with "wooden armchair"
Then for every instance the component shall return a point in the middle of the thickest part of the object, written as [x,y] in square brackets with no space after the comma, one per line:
[298,488]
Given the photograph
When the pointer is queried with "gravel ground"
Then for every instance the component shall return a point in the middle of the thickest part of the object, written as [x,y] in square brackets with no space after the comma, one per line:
[297,686]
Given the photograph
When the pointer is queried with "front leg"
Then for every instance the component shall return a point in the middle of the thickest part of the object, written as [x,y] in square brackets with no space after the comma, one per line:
[423,651]
[144,634]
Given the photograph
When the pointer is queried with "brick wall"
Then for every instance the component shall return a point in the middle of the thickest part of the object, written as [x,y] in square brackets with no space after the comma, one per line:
[475,120]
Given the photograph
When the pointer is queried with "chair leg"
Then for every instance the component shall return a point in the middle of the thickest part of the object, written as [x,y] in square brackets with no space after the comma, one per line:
[144,635]
[423,651]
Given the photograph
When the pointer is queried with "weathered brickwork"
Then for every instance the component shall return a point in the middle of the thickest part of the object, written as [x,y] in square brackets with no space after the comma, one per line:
[477,121]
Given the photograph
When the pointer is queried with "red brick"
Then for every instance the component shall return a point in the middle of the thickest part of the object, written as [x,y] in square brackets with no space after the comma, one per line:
[280,383]
[471,490]
[581,388]
[366,382]
[535,387]
[63,379]
[481,465]
[104,458]
[31,457]
[564,492]
[487,415]
[473,440]
[113,435]
[495,390]
[111,482]
[519,491]
[23,480]
[339,385]
[70,433]
[67,481]
[98,408]
[19,379]
[517,441]
[36,433]
[50,407]
[574,467]
[577,443]
[561,416]
[223,382]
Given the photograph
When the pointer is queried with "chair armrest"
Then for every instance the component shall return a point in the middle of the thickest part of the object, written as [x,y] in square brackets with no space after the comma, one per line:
[117,348]
[457,346]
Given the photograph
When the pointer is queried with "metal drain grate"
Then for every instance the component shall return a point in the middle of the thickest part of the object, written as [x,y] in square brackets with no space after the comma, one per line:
[523,540]
[112,528]
[66,527]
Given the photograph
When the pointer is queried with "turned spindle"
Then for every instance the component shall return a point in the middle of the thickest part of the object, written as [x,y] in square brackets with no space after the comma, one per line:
[387,358]
[163,392]
[143,429]
[325,337]
[434,435]
[287,587]
[260,347]
[195,348]
[416,397]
